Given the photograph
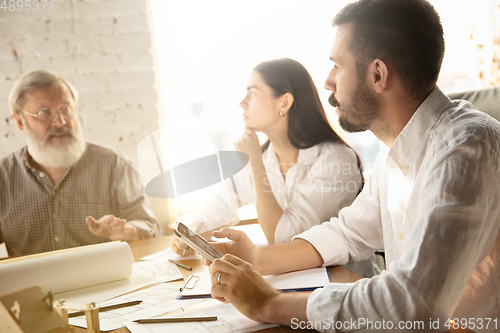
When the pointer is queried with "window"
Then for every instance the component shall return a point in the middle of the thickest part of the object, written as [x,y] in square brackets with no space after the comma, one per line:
[206,50]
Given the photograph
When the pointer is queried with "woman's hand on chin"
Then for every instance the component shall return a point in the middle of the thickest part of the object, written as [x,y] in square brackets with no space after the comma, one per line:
[249,144]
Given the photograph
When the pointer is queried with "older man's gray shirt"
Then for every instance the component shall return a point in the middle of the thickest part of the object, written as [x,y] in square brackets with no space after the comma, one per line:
[37,216]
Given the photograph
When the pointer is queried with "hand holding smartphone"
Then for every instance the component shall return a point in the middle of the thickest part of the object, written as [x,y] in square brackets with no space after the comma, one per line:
[196,242]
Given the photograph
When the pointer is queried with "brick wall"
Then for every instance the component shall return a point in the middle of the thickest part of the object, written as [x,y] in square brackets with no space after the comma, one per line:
[104,47]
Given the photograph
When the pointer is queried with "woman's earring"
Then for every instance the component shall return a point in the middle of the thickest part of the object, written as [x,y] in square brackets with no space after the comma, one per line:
[282,114]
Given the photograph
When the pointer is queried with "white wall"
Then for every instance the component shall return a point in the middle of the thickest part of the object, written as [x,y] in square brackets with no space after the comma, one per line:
[495,68]
[104,48]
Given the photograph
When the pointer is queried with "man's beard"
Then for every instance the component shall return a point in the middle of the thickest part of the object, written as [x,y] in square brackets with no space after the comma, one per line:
[360,112]
[56,152]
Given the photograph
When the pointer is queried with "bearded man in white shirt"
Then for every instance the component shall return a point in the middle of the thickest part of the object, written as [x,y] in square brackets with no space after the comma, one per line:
[432,201]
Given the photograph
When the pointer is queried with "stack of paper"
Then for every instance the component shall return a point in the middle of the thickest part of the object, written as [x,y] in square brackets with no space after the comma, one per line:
[166,270]
[156,300]
[228,320]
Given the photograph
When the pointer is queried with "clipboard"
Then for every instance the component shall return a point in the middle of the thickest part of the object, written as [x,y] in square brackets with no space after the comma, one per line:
[199,285]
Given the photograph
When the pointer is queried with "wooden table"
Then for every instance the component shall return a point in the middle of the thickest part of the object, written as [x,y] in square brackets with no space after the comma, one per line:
[149,246]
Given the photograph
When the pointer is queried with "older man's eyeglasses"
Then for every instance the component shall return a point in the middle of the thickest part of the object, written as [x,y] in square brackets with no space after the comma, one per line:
[47,115]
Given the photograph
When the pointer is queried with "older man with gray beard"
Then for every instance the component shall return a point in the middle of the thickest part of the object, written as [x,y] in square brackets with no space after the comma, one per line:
[53,190]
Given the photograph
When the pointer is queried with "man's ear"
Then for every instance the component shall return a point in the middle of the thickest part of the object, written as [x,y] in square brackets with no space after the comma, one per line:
[285,102]
[18,120]
[378,75]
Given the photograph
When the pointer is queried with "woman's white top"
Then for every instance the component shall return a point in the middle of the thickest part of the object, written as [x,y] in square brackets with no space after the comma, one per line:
[325,179]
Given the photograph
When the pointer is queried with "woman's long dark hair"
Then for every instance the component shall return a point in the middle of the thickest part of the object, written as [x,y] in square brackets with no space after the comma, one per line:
[307,124]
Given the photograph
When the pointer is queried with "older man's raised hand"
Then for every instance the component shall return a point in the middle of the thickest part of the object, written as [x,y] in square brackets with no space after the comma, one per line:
[113,228]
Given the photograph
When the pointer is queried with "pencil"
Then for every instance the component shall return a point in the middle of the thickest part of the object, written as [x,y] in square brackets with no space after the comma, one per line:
[181,265]
[174,320]
[106,308]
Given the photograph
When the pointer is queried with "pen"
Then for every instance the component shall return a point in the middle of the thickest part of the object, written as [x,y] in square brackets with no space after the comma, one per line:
[174,320]
[106,308]
[179,264]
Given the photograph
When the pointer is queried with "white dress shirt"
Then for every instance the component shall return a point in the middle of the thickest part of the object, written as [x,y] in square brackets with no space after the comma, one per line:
[325,179]
[433,203]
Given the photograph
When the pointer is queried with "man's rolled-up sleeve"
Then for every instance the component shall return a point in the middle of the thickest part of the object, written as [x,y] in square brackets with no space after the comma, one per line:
[332,183]
[355,234]
[456,228]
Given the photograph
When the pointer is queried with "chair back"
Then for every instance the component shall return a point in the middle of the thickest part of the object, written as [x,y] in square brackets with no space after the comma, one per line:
[486,100]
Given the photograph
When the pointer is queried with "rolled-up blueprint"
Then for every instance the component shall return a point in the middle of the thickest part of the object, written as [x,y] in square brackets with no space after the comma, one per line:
[70,269]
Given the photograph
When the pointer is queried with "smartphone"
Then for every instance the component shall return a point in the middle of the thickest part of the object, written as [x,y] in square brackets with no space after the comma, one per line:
[196,242]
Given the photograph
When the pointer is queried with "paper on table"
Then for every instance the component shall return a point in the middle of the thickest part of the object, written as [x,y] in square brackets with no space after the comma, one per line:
[47,254]
[102,292]
[305,279]
[228,320]
[166,270]
[299,280]
[155,301]
[164,255]
[76,268]
[69,270]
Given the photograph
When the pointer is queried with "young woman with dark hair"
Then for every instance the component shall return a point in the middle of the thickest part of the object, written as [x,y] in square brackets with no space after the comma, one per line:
[303,175]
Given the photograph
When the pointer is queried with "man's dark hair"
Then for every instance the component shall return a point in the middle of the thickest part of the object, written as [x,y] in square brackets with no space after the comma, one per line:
[405,33]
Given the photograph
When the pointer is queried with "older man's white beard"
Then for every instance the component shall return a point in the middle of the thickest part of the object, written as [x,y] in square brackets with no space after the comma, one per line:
[56,153]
